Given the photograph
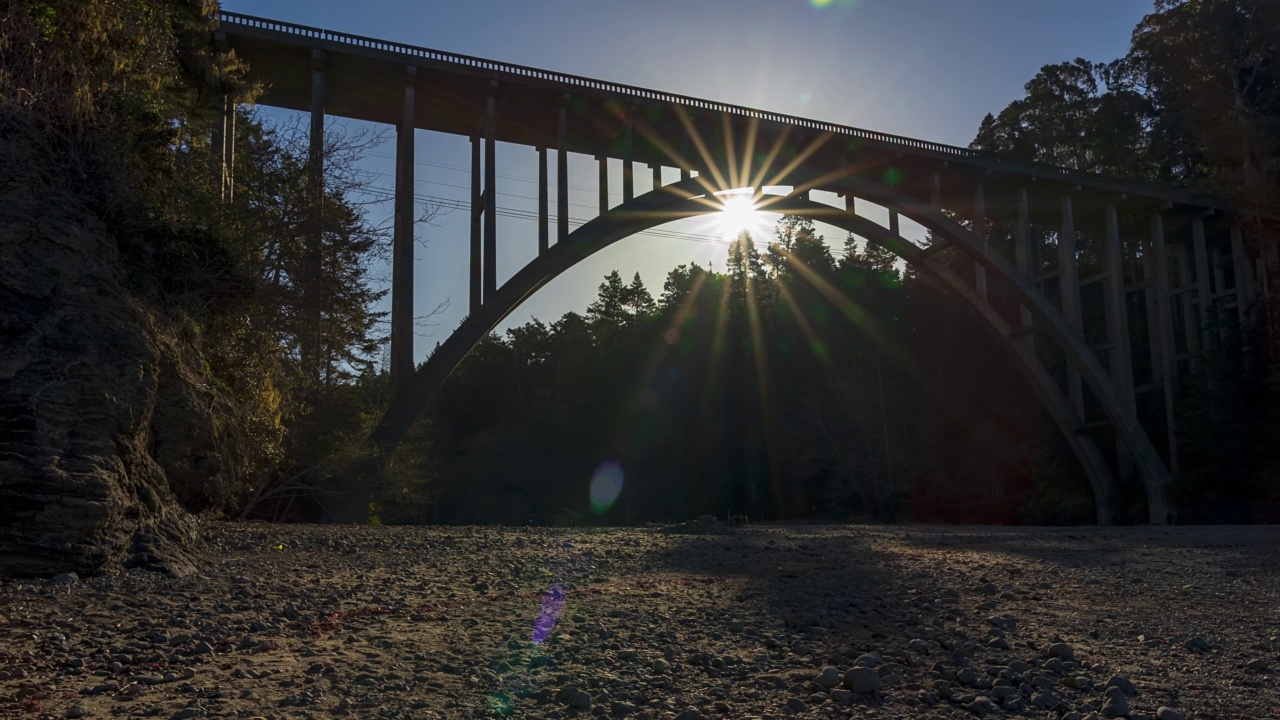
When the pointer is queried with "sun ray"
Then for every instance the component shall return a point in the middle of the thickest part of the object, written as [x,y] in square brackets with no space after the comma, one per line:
[717,180]
[748,151]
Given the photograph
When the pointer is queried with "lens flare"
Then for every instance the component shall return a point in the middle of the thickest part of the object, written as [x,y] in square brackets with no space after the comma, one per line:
[548,613]
[606,486]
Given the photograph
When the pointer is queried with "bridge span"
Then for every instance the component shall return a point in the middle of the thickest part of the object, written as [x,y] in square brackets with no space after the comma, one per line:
[1170,265]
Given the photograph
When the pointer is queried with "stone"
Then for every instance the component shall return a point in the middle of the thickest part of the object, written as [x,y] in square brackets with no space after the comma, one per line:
[828,678]
[1122,682]
[65,579]
[579,700]
[862,680]
[1045,700]
[797,705]
[1061,650]
[1197,644]
[1019,666]
[1258,665]
[989,589]
[189,712]
[1115,705]
[842,696]
[689,714]
[1077,682]
[967,676]
[1167,713]
[77,711]
[868,660]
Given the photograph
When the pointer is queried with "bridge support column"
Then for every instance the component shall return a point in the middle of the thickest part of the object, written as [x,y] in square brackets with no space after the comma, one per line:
[628,181]
[1069,289]
[1204,286]
[1164,358]
[310,342]
[1024,258]
[980,229]
[402,244]
[562,176]
[544,237]
[1117,316]
[603,183]
[490,199]
[657,175]
[1244,279]
[477,212]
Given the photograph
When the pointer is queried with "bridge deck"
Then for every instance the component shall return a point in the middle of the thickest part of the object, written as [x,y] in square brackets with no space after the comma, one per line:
[365,80]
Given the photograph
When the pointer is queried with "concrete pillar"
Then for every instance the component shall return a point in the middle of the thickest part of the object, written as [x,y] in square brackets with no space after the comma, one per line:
[218,149]
[603,183]
[402,243]
[477,212]
[490,199]
[309,344]
[1025,258]
[1164,353]
[628,181]
[1204,285]
[684,174]
[935,191]
[980,229]
[1117,311]
[1244,278]
[562,176]
[544,238]
[1069,288]
[657,175]
[1117,314]
[894,225]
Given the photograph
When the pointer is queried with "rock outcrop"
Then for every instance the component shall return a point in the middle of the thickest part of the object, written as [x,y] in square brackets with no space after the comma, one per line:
[94,403]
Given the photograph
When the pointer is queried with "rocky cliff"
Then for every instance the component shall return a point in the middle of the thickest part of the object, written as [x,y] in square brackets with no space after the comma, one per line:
[102,432]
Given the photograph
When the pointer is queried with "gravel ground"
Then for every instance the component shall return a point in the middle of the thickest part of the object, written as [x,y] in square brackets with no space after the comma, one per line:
[687,622]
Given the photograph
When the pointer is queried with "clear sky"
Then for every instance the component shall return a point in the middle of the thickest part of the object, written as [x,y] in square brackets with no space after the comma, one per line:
[923,68]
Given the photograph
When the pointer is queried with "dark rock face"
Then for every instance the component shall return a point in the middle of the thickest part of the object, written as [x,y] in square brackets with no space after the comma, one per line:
[86,384]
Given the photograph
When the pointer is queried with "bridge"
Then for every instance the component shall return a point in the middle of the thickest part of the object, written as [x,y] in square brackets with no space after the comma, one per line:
[1020,245]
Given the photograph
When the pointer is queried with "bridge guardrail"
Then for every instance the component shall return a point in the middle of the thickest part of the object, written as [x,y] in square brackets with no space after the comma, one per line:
[1043,170]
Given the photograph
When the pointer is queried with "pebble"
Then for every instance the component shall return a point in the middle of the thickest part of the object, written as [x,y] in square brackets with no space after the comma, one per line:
[65,579]
[1259,665]
[797,705]
[1166,713]
[689,714]
[77,711]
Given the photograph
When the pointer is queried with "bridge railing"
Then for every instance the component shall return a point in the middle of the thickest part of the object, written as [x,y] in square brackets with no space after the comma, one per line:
[1049,171]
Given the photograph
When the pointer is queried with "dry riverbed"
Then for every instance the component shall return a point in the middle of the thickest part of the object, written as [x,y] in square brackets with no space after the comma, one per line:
[696,621]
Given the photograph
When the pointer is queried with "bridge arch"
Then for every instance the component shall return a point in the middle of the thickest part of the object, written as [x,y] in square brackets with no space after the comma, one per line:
[684,199]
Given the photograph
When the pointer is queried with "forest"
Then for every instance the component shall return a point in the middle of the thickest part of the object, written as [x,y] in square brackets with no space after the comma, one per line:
[795,382]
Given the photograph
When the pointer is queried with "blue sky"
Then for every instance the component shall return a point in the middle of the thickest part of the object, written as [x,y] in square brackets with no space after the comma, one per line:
[923,68]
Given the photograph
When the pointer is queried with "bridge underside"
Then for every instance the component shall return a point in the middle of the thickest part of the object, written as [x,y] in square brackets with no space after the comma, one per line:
[1029,232]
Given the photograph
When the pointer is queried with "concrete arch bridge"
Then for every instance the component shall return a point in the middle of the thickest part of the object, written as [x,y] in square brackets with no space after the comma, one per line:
[1161,258]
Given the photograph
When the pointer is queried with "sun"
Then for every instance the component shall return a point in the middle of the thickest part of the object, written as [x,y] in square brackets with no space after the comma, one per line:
[739,214]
